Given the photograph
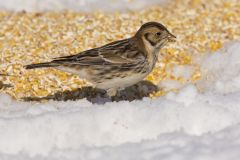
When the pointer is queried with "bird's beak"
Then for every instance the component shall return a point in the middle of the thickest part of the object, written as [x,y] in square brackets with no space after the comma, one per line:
[171,37]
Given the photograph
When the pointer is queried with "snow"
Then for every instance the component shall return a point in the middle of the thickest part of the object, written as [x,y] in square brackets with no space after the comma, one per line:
[226,69]
[77,5]
[192,124]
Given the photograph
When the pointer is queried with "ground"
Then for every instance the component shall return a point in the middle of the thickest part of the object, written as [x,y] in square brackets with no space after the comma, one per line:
[195,117]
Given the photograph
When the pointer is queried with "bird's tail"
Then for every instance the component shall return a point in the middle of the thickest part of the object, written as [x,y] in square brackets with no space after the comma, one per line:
[41,65]
[1,74]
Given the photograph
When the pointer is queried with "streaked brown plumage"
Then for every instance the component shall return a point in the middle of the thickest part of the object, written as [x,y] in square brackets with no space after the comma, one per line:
[118,64]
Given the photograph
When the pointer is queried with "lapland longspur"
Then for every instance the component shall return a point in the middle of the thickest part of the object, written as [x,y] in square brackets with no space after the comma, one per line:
[118,64]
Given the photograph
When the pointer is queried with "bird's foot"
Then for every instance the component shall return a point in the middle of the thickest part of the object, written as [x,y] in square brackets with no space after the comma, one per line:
[111,92]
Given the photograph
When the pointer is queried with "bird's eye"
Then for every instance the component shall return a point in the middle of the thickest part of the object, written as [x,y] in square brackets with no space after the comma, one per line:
[158,33]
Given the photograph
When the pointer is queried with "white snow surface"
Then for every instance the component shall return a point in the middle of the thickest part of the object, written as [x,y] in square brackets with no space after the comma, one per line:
[189,125]
[76,5]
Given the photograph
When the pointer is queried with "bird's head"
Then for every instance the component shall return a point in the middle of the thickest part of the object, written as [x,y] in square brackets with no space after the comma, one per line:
[155,35]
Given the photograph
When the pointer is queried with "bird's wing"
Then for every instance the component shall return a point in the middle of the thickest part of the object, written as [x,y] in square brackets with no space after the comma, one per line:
[116,53]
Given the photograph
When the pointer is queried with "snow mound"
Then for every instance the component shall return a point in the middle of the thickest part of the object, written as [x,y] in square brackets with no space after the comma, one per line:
[179,126]
[222,71]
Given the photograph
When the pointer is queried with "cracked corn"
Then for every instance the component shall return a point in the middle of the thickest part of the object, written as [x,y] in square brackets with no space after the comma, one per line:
[200,26]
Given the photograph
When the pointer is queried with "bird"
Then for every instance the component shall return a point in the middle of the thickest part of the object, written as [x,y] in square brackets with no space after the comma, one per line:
[119,64]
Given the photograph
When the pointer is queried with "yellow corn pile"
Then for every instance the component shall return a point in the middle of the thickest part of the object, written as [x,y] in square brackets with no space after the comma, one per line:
[201,26]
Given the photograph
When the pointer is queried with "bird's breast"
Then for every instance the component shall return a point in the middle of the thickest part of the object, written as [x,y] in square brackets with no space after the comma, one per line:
[151,53]
[152,59]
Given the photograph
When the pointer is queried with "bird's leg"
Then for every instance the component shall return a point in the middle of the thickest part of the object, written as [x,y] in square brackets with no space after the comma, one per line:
[112,92]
